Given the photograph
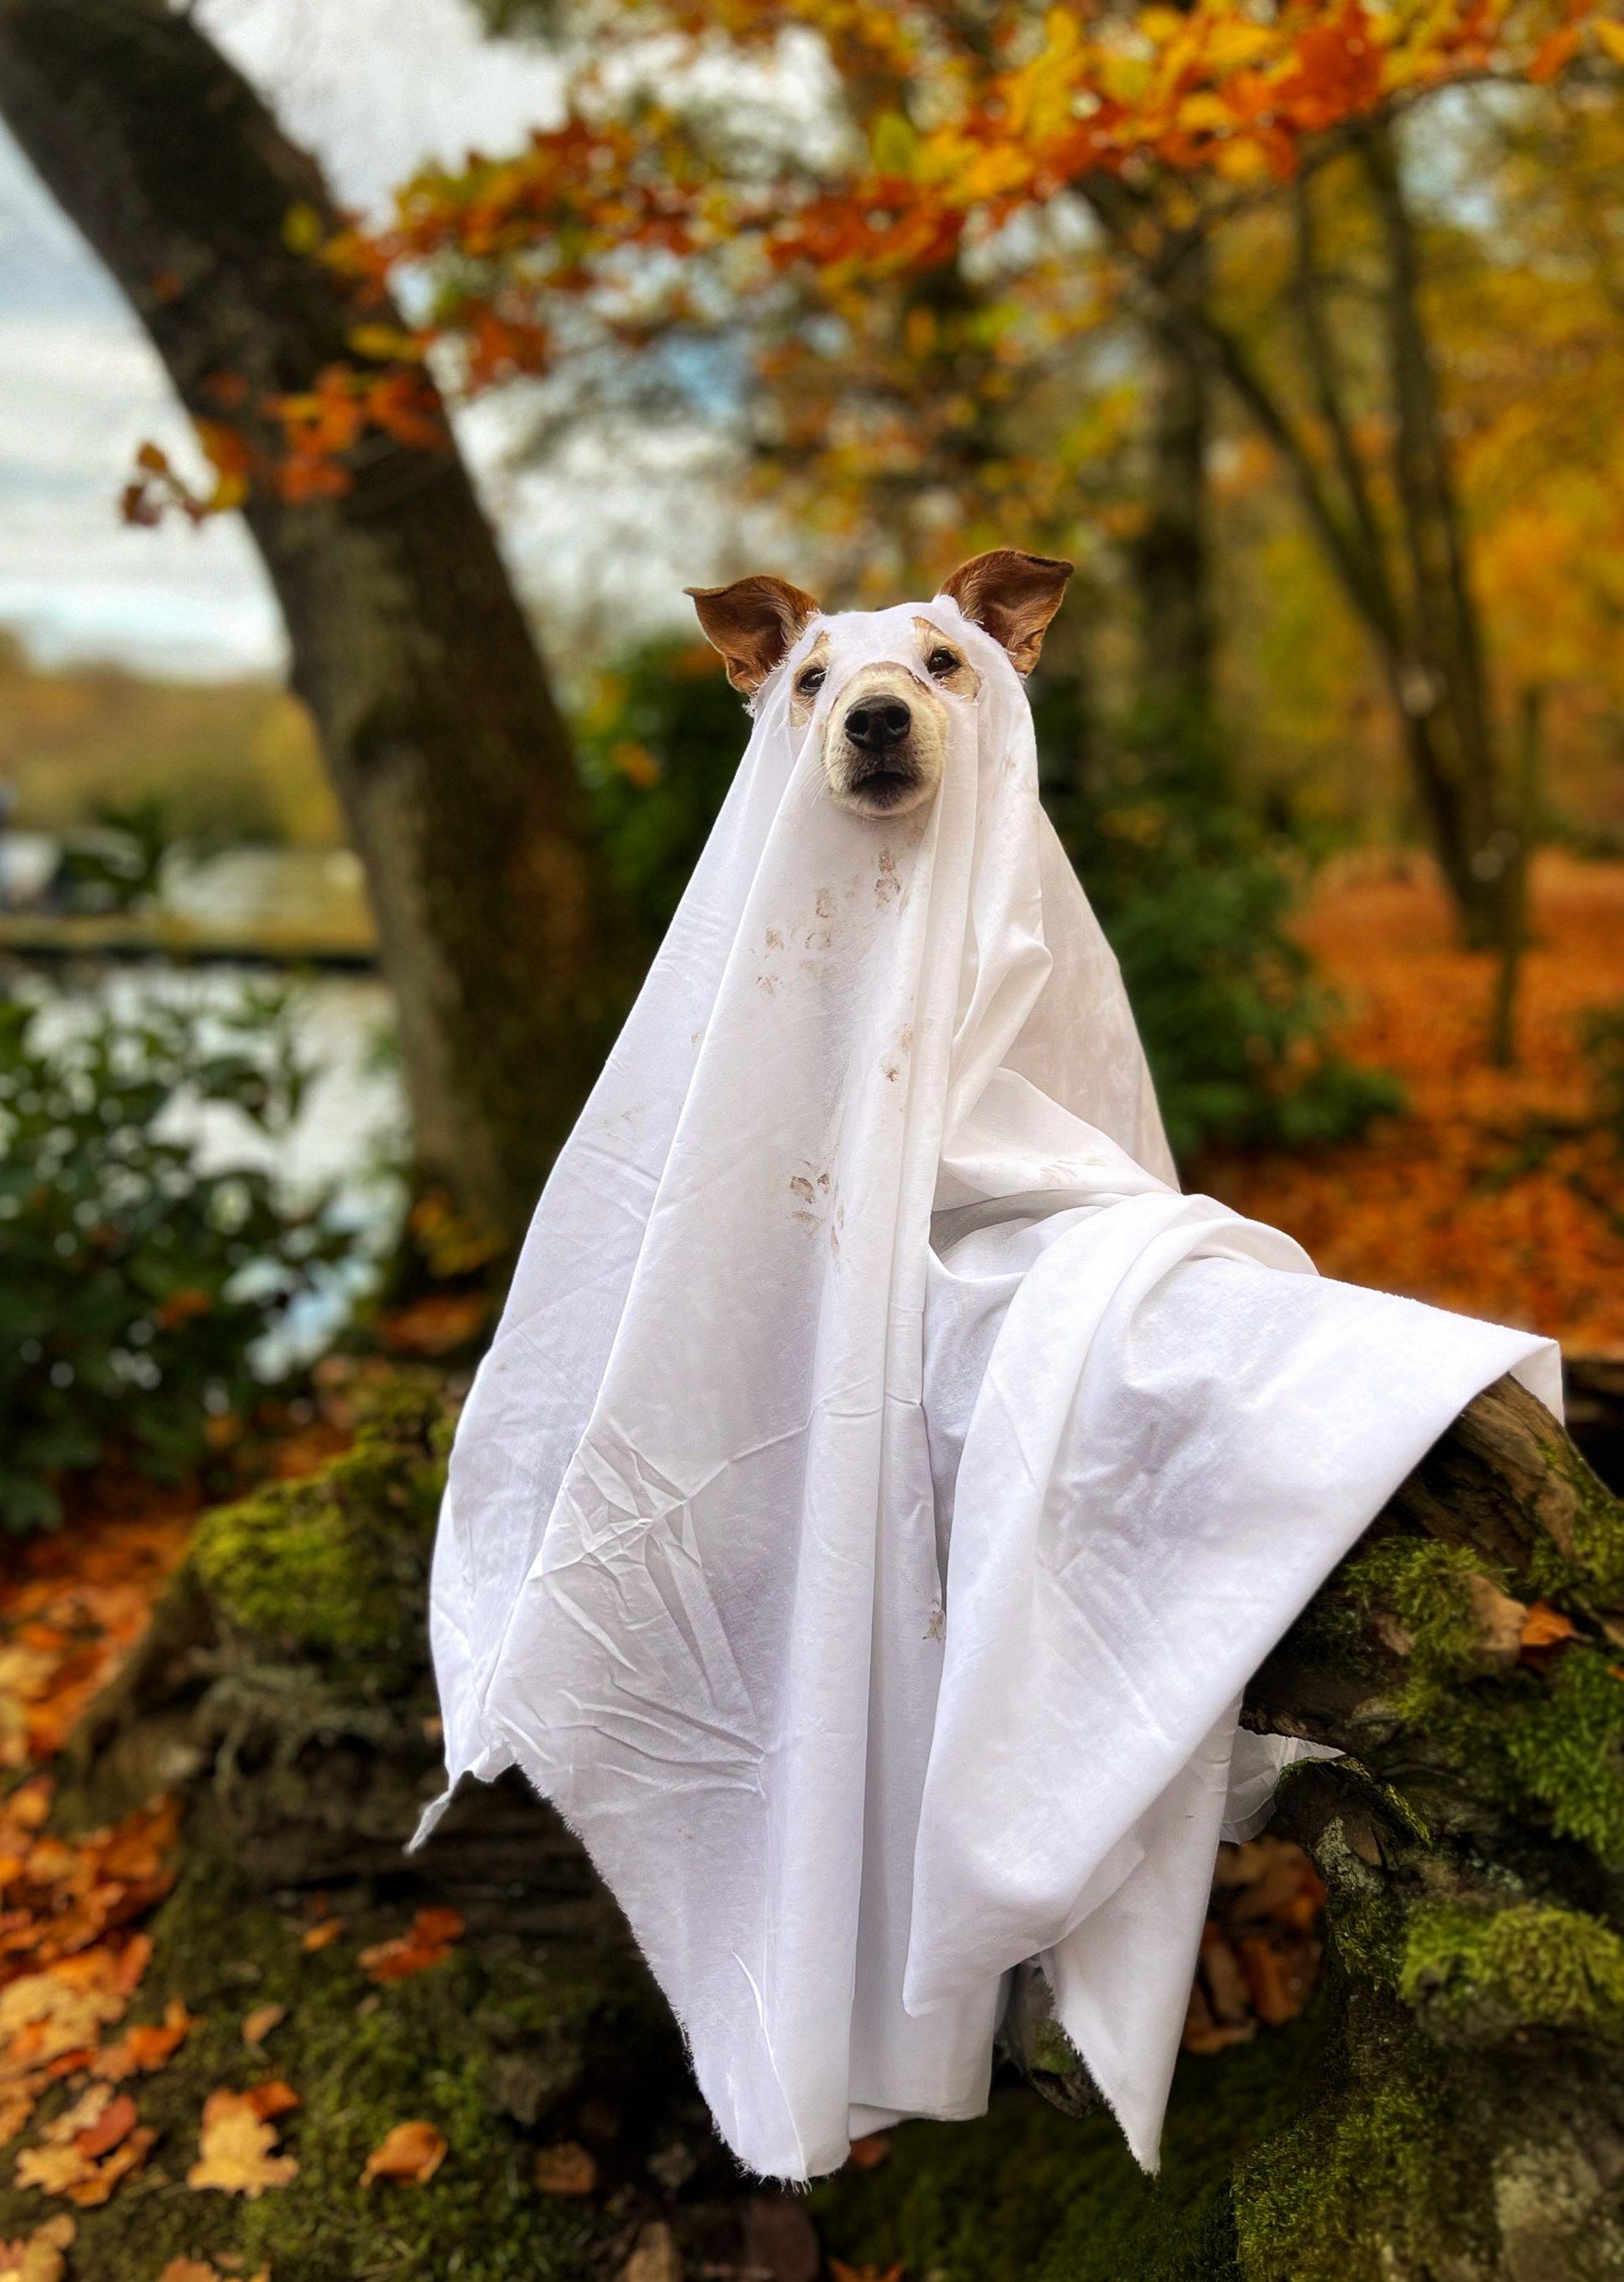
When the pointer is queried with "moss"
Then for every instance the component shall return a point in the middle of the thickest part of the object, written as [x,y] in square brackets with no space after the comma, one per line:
[1376,2179]
[1597,1555]
[1533,1966]
[362,2060]
[1564,1750]
[1427,1587]
[1027,2195]
[334,1566]
[1547,1743]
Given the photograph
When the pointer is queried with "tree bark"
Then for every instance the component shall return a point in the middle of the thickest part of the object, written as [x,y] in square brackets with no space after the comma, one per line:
[435,717]
[1172,554]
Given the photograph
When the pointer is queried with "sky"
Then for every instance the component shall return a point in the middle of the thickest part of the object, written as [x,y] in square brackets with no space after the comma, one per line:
[374,87]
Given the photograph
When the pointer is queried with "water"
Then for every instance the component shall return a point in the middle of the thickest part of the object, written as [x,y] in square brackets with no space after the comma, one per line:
[346,1141]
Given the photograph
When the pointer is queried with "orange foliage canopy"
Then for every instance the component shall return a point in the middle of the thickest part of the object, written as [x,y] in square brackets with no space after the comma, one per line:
[620,223]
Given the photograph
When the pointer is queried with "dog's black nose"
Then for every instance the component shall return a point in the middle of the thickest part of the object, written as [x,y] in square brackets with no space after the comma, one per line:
[876,722]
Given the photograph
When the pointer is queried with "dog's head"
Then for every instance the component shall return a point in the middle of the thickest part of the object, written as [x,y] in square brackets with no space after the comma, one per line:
[882,724]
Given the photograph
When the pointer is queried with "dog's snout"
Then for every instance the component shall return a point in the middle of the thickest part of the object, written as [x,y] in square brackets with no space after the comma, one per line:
[876,722]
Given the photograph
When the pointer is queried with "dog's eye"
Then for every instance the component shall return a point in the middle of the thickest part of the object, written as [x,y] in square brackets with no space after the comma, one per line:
[941,663]
[812,681]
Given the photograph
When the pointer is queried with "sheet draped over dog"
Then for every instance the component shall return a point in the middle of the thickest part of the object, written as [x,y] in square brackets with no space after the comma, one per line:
[883,1481]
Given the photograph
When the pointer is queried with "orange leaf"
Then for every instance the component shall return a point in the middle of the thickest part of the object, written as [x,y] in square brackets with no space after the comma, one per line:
[430,1939]
[1545,1630]
[870,2151]
[410,2155]
[318,1936]
[139,2050]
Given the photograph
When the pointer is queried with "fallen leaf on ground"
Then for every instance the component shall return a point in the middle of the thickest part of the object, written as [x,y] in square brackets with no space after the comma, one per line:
[410,2155]
[567,2169]
[431,1938]
[839,2271]
[238,2139]
[141,2049]
[870,2150]
[317,1937]
[259,2024]
[39,2256]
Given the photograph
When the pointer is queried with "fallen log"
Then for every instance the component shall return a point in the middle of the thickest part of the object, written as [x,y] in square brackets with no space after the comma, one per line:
[1451,2108]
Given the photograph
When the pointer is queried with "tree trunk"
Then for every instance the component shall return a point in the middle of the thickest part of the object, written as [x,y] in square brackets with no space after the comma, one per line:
[1452,2109]
[1444,679]
[409,645]
[1422,623]
[1172,552]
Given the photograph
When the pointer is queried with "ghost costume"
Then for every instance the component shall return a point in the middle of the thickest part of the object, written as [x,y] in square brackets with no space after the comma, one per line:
[883,1481]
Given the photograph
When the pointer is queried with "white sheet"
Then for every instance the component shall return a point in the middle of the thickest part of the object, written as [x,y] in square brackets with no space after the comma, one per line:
[876,1608]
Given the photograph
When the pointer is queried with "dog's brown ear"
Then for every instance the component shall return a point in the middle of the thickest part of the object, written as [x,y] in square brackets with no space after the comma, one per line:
[753,623]
[1013,597]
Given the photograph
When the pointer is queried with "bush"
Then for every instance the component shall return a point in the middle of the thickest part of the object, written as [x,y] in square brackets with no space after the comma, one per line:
[1191,891]
[136,1278]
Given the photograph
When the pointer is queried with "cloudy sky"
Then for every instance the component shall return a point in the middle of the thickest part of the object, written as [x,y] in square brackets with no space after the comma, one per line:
[374,86]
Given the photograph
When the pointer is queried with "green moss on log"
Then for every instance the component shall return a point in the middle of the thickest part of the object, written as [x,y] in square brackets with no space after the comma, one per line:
[1547,1743]
[1491,1973]
[1595,1560]
[1378,2178]
[333,1567]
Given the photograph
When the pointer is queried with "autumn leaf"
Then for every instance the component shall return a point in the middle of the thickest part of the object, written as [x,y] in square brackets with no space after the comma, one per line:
[869,2152]
[257,2024]
[139,2050]
[566,2169]
[39,2256]
[238,2139]
[432,1935]
[319,1937]
[839,2271]
[86,2150]
[1545,1632]
[409,2156]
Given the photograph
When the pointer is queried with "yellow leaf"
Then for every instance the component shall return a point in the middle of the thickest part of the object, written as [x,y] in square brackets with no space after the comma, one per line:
[37,2257]
[236,2142]
[302,228]
[384,343]
[896,146]
[1610,36]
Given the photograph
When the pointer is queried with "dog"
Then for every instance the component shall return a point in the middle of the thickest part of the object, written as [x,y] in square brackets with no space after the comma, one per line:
[883,738]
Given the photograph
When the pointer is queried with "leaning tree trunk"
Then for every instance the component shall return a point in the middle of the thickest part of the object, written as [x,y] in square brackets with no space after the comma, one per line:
[409,645]
[1451,2110]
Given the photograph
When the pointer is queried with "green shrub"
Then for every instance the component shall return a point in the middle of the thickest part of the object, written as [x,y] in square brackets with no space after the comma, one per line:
[136,1275]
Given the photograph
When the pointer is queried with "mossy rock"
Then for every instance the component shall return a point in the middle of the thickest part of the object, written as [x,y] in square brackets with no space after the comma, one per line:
[333,1567]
